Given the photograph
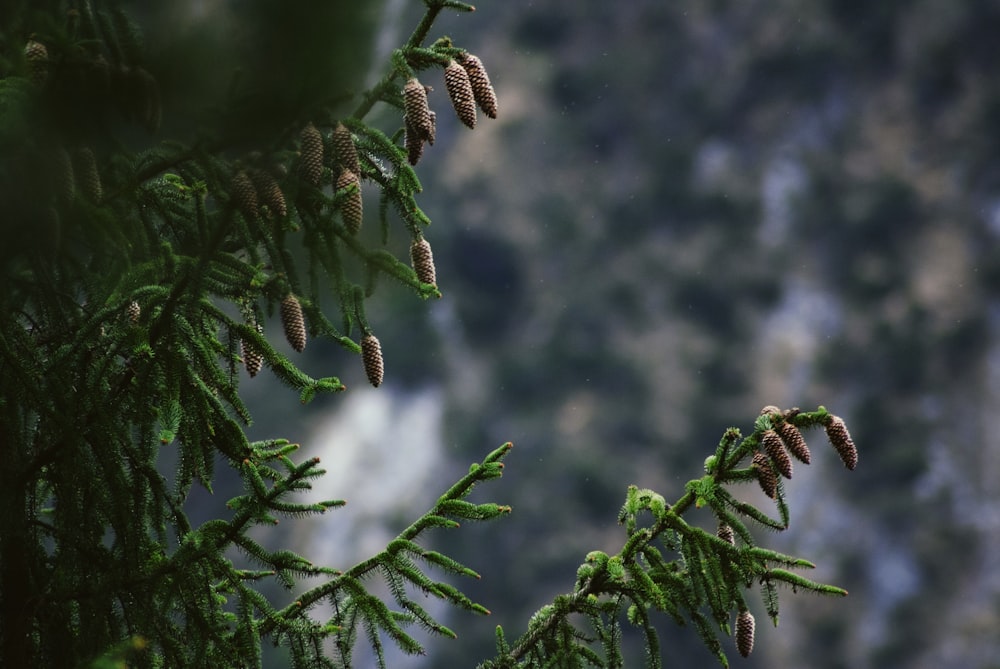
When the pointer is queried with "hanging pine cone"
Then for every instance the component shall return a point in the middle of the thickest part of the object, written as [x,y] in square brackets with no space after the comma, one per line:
[133,311]
[482,89]
[792,437]
[414,143]
[725,532]
[418,113]
[371,355]
[87,175]
[311,152]
[244,194]
[252,359]
[422,260]
[766,477]
[776,450]
[343,146]
[456,80]
[269,193]
[294,322]
[352,208]
[837,432]
[37,57]
[744,633]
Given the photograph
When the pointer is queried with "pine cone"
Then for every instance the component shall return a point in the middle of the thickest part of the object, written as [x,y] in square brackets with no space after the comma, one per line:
[776,450]
[725,532]
[133,311]
[456,80]
[744,633]
[37,57]
[766,477]
[269,193]
[87,175]
[252,359]
[414,143]
[770,409]
[293,322]
[482,89]
[371,355]
[418,113]
[352,208]
[244,194]
[311,152]
[343,146]
[794,441]
[837,432]
[422,260]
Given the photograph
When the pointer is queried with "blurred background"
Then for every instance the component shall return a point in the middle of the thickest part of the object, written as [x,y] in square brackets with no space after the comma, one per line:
[685,211]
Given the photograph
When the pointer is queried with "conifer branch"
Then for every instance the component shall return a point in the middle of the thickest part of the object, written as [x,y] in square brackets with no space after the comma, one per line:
[707,573]
[398,569]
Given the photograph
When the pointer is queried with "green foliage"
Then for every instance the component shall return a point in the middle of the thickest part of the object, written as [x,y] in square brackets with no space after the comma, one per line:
[132,292]
[669,566]
[127,310]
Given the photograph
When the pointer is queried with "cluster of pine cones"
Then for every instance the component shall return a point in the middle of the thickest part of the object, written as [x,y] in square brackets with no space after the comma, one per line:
[784,440]
[294,324]
[778,445]
[468,86]
[256,192]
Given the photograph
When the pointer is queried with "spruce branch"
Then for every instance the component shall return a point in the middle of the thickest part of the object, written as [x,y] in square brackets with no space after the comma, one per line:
[400,572]
[668,565]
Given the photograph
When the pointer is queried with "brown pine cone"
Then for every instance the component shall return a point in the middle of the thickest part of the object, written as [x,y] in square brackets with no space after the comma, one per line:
[252,359]
[456,80]
[343,146]
[244,194]
[725,532]
[837,432]
[352,208]
[482,89]
[37,56]
[311,152]
[269,193]
[416,109]
[414,143]
[371,355]
[422,260]
[772,445]
[766,476]
[133,311]
[294,322]
[744,633]
[792,437]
